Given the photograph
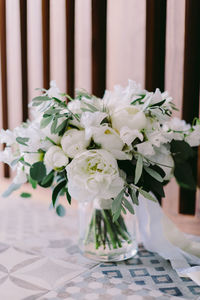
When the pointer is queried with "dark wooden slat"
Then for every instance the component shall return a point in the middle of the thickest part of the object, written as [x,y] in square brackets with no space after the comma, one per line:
[4,102]
[46,42]
[70,21]
[191,85]
[23,28]
[155,44]
[99,13]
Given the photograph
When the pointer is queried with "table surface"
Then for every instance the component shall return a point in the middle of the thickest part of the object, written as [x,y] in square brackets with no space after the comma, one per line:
[40,259]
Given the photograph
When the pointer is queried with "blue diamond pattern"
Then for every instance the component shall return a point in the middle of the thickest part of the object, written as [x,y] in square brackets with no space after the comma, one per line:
[113,273]
[140,282]
[133,262]
[139,272]
[145,253]
[154,261]
[159,269]
[195,289]
[161,279]
[173,291]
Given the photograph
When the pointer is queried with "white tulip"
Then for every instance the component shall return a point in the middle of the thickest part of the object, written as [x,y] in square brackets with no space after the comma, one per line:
[55,158]
[73,142]
[128,116]
[92,174]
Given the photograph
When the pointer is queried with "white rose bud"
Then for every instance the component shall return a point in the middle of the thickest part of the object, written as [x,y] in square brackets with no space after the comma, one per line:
[128,116]
[32,158]
[73,142]
[55,158]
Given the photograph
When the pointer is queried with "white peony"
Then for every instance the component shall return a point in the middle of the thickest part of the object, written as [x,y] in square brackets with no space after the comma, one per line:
[145,148]
[73,142]
[193,139]
[55,158]
[94,173]
[128,116]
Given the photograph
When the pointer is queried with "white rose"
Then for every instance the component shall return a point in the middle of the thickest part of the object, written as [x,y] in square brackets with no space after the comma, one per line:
[193,139]
[92,174]
[73,142]
[32,158]
[108,139]
[128,116]
[55,158]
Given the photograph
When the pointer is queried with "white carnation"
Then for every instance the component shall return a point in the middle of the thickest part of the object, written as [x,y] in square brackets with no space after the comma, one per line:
[92,174]
[7,137]
[193,139]
[73,142]
[53,91]
[55,158]
[145,149]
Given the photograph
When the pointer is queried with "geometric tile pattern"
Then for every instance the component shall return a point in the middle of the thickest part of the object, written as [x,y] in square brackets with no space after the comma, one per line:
[40,260]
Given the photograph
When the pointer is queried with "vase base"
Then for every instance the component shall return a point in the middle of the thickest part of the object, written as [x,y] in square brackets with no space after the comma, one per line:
[111,256]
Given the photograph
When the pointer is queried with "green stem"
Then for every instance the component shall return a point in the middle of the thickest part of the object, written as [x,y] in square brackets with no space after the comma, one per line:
[112,237]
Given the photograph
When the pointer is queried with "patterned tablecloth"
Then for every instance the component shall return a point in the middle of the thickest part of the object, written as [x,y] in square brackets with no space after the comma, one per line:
[39,259]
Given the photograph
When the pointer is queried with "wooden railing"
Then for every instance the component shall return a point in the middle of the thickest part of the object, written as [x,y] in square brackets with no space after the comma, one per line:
[96,43]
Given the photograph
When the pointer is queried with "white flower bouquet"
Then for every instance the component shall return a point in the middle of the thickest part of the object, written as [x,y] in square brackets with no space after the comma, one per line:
[107,150]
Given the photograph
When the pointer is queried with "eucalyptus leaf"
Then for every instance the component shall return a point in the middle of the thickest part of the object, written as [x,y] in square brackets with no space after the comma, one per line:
[138,170]
[54,125]
[45,121]
[154,174]
[134,197]
[128,205]
[32,182]
[61,127]
[38,171]
[116,204]
[25,195]
[22,140]
[147,195]
[116,215]
[60,210]
[41,98]
[47,180]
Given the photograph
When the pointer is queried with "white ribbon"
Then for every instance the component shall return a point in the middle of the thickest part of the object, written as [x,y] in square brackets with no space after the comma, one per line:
[159,234]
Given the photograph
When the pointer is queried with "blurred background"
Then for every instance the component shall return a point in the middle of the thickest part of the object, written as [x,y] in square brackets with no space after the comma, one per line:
[96,44]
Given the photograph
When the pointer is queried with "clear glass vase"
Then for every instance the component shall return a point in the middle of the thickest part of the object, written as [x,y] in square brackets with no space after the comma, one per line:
[102,239]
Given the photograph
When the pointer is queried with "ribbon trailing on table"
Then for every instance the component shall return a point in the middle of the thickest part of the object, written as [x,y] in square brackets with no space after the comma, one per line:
[159,234]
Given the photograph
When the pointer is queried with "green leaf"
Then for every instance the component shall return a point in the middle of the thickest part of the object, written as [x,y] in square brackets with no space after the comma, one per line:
[14,162]
[138,99]
[128,205]
[184,176]
[32,182]
[147,195]
[116,215]
[45,121]
[69,198]
[116,204]
[22,140]
[57,190]
[138,169]
[38,171]
[37,103]
[154,174]
[13,187]
[61,127]
[134,197]
[21,160]
[158,103]
[25,195]
[53,126]
[181,150]
[60,210]
[41,98]
[92,107]
[47,180]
